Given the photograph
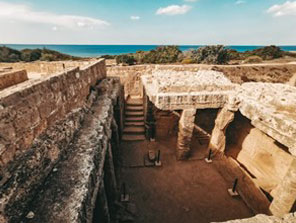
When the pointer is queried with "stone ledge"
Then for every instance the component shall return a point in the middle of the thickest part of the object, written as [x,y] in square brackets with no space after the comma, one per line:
[8,79]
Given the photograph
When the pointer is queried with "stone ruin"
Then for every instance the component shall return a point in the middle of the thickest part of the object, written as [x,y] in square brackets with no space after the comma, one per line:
[60,135]
[270,109]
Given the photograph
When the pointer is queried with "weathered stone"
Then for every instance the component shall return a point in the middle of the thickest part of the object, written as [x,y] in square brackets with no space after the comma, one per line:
[70,194]
[169,90]
[284,195]
[218,137]
[11,78]
[33,106]
[186,126]
[271,108]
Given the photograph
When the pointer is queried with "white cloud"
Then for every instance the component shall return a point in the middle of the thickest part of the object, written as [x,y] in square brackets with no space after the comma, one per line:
[287,8]
[240,2]
[133,17]
[174,10]
[23,13]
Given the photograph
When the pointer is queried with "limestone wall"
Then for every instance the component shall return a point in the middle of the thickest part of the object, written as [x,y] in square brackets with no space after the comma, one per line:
[41,119]
[8,79]
[28,109]
[45,68]
[276,73]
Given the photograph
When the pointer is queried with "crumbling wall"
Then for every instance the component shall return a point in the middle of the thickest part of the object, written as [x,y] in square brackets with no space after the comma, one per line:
[29,108]
[39,119]
[45,68]
[275,73]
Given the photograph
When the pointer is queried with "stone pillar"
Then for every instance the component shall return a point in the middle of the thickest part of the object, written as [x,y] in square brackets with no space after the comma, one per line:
[186,126]
[218,138]
[285,193]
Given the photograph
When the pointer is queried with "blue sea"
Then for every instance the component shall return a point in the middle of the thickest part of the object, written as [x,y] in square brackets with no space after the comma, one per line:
[99,50]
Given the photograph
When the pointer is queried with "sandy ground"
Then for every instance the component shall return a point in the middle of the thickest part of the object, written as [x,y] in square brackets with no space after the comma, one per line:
[188,191]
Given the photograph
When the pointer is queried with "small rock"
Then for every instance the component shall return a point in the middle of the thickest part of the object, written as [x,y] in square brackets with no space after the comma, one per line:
[186,209]
[30,215]
[55,170]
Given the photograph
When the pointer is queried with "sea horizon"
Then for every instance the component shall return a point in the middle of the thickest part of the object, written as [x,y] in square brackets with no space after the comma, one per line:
[89,50]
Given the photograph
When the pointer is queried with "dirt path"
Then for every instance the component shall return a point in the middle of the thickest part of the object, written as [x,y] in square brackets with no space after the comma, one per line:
[177,192]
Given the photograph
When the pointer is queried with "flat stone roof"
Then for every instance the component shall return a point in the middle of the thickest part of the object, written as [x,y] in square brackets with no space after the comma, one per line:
[173,90]
[272,109]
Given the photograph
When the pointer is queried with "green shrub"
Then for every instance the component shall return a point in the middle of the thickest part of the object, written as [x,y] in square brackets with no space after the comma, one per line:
[253,59]
[108,57]
[162,55]
[211,55]
[28,55]
[9,55]
[47,57]
[125,59]
[267,53]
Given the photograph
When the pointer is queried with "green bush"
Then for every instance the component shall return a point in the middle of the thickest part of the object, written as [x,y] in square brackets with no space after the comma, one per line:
[9,55]
[211,55]
[161,55]
[125,59]
[253,59]
[28,55]
[47,57]
[266,53]
[108,57]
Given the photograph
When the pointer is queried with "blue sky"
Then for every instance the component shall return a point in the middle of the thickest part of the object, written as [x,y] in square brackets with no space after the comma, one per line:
[230,22]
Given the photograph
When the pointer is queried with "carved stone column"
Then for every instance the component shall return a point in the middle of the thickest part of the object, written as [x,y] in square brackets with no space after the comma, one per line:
[186,126]
[285,193]
[218,138]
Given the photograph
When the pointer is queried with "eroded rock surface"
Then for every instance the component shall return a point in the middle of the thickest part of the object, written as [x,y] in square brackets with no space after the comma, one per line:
[271,108]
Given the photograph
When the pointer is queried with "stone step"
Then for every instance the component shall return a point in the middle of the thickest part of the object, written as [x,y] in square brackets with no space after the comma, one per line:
[134,108]
[134,130]
[133,123]
[126,137]
[134,113]
[134,119]
[134,102]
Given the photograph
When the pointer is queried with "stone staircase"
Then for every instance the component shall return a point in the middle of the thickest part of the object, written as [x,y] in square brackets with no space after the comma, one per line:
[134,129]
